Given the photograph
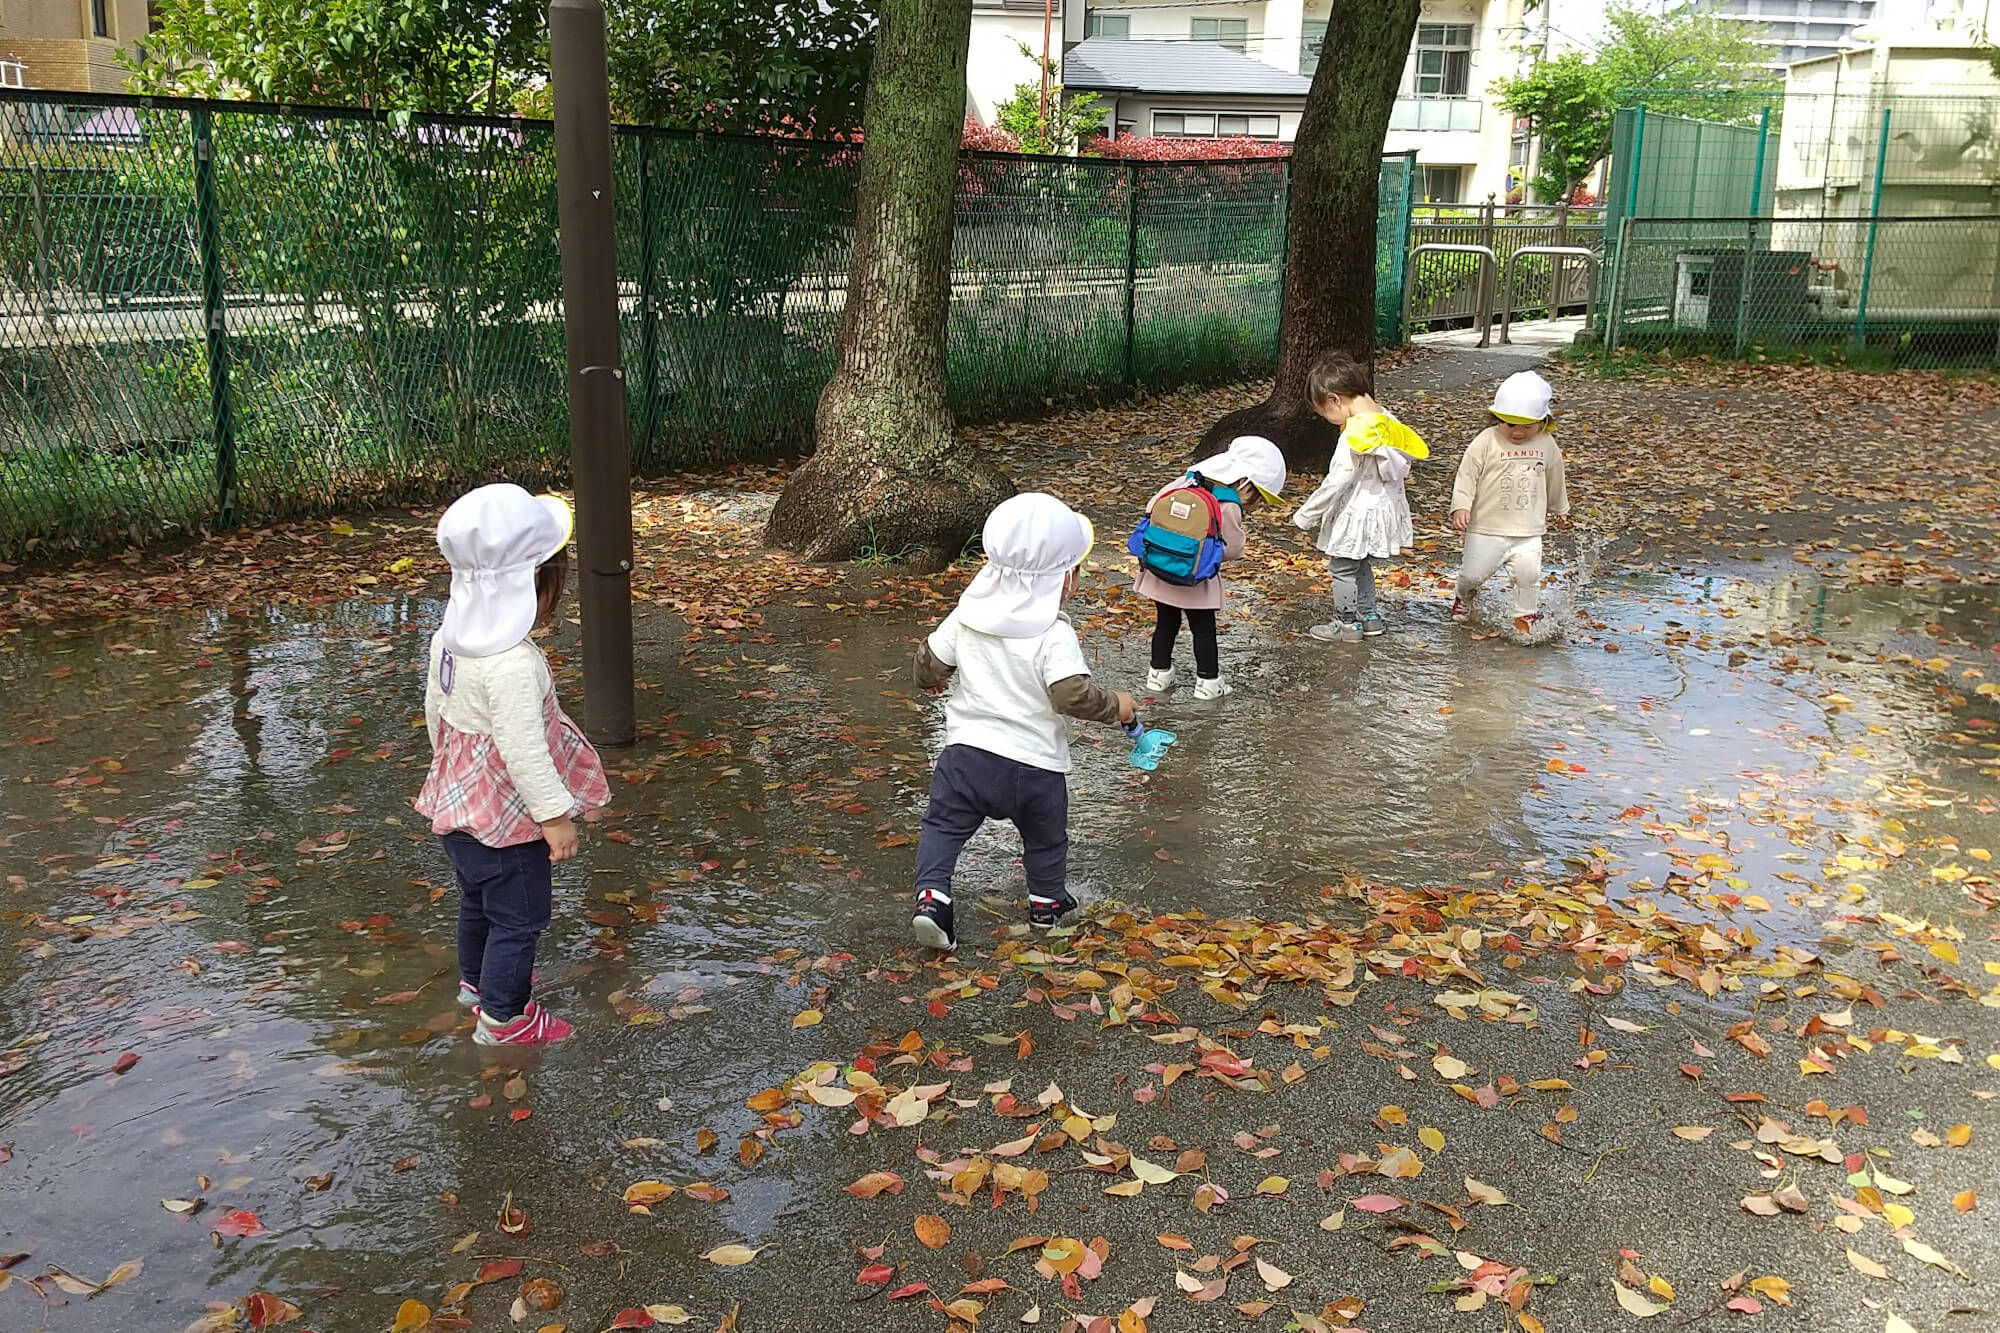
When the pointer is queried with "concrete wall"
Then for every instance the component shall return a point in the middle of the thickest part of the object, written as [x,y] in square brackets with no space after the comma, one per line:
[995,64]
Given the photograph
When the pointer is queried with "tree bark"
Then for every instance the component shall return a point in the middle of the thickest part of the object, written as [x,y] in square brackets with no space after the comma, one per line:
[887,477]
[1330,259]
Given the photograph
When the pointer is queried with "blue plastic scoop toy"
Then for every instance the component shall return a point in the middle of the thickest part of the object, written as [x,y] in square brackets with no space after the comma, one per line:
[1148,744]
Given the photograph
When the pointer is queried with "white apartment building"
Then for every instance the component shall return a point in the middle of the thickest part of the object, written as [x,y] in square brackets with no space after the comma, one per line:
[1214,68]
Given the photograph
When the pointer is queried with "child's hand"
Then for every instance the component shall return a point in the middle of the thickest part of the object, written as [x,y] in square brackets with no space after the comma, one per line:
[1460,519]
[1127,707]
[560,834]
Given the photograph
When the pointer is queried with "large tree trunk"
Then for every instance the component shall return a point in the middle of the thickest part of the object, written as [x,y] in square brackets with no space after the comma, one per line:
[887,477]
[1330,264]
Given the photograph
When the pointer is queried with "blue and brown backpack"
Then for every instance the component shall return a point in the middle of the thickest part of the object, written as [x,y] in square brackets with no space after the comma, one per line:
[1180,538]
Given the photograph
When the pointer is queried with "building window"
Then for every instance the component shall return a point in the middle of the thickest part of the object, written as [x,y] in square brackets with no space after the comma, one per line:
[100,18]
[1213,125]
[1107,25]
[1444,59]
[1232,33]
[1440,184]
[1312,35]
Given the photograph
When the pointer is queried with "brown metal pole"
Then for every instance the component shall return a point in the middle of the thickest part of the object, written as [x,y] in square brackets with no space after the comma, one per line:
[599,453]
[1048,21]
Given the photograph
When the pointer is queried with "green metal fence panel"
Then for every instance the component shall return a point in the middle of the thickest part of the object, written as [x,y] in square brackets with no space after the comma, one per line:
[1392,244]
[1779,288]
[217,312]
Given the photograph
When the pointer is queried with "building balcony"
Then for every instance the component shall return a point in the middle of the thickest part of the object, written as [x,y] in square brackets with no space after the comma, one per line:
[1435,113]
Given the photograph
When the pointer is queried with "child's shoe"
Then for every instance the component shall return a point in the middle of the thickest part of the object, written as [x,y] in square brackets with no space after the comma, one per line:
[1050,911]
[1159,679]
[932,923]
[468,994]
[1372,626]
[534,1026]
[1460,612]
[1327,633]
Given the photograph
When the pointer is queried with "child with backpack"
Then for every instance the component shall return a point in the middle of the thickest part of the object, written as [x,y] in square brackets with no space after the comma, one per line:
[509,771]
[1193,525]
[1360,510]
[1509,488]
[1016,673]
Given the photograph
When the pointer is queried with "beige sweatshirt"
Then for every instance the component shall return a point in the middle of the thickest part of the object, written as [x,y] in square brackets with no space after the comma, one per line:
[1511,489]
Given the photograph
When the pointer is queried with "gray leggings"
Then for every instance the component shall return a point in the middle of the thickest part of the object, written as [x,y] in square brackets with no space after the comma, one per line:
[1353,586]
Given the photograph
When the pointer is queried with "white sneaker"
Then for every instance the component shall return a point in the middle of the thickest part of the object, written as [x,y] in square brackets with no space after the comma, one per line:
[1158,679]
[1211,689]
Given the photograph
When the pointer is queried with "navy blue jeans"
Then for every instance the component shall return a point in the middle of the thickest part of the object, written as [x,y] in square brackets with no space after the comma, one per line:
[503,908]
[970,786]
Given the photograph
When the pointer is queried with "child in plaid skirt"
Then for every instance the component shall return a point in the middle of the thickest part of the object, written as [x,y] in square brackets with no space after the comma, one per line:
[509,771]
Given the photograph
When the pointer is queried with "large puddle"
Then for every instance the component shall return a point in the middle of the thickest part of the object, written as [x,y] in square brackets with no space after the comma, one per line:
[211,865]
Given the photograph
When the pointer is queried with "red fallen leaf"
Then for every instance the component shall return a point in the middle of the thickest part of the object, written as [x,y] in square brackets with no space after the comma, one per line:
[268,1311]
[1379,1203]
[1742,1096]
[914,1289]
[937,1009]
[874,1183]
[498,1270]
[1747,1305]
[481,1102]
[1692,1071]
[398,997]
[124,1062]
[986,1286]
[633,1318]
[230,946]
[874,1275]
[239,1224]
[520,1113]
[598,1249]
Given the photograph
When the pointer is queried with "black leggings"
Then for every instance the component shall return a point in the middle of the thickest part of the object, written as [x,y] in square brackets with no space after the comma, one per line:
[1201,624]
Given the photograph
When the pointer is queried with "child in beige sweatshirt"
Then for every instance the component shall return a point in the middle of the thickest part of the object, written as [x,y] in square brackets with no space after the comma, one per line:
[1509,486]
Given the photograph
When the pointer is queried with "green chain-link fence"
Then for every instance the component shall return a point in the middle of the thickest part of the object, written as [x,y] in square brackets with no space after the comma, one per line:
[1815,220]
[224,312]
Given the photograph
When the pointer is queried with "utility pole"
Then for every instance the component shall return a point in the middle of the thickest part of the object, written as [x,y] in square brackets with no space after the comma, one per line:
[600,457]
[1048,22]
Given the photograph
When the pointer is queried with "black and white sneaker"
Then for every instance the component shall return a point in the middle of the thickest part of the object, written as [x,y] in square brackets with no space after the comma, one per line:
[932,923]
[1049,911]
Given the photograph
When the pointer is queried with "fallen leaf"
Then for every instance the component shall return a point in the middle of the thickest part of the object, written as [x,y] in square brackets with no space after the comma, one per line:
[238,1224]
[268,1311]
[733,1256]
[1483,1193]
[933,1232]
[541,1294]
[1863,1264]
[1633,1303]
[1693,1133]
[809,1018]
[1275,1278]
[1378,1203]
[874,1183]
[1431,1138]
[410,1316]
[1332,1221]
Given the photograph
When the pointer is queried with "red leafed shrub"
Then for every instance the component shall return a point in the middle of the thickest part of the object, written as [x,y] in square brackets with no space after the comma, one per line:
[1183,150]
[982,139]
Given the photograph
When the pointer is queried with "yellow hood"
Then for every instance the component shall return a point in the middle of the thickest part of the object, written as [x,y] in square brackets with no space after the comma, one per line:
[1377,430]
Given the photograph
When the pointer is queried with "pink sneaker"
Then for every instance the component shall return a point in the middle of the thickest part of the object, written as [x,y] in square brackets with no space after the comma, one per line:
[1459,610]
[535,1026]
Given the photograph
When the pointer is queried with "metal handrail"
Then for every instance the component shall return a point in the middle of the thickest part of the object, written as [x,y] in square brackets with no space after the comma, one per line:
[1484,313]
[1560,252]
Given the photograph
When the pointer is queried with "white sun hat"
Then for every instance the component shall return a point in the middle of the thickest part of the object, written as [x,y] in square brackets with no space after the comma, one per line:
[1522,399]
[494,538]
[1250,458]
[1032,541]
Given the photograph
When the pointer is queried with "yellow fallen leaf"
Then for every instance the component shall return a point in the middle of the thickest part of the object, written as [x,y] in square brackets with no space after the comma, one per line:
[401,566]
[1896,1214]
[1773,1286]
[733,1256]
[1126,1189]
[1958,1135]
[1483,1193]
[810,1018]
[1562,1084]
[1632,1302]
[1431,1138]
[1273,1185]
[1152,1172]
[1693,1133]
[1394,1115]
[410,1316]
[1450,1067]
[1923,1253]
[669,1314]
[1334,1221]
[1660,1287]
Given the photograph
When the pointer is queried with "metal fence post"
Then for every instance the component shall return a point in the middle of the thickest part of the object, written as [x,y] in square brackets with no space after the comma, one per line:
[1750,234]
[1556,261]
[649,415]
[1131,274]
[1874,220]
[1484,314]
[208,237]
[1617,304]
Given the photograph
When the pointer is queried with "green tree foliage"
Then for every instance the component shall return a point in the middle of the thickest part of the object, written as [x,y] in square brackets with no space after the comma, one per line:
[1701,65]
[714,65]
[404,55]
[1070,119]
[744,65]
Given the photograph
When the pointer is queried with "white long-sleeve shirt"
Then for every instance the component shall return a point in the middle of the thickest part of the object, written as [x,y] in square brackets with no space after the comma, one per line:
[503,696]
[1511,489]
